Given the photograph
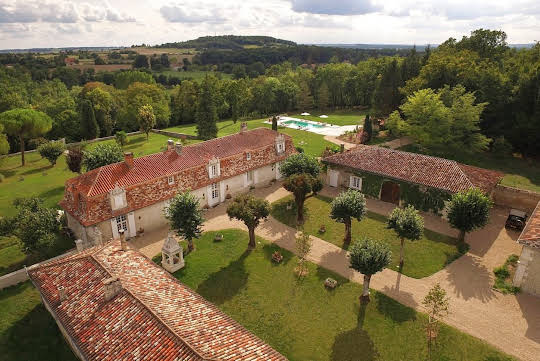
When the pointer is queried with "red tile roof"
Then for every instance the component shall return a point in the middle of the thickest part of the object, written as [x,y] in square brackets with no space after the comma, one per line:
[530,236]
[104,179]
[421,169]
[154,317]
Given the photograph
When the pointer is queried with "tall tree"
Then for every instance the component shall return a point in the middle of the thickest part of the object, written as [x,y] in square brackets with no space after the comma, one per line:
[4,144]
[407,224]
[468,211]
[368,128]
[206,112]
[141,61]
[251,211]
[25,124]
[323,97]
[185,216]
[146,119]
[369,257]
[387,96]
[346,206]
[305,99]
[89,124]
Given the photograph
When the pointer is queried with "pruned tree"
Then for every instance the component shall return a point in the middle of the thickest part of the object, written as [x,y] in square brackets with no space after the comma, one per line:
[303,247]
[368,128]
[185,216]
[437,306]
[51,151]
[102,154]
[346,206]
[74,159]
[146,119]
[369,257]
[25,124]
[251,211]
[274,123]
[469,210]
[121,138]
[36,225]
[408,224]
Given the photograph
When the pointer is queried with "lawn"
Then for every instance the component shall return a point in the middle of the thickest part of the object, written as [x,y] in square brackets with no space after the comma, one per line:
[343,117]
[422,258]
[520,173]
[313,144]
[27,330]
[38,178]
[305,321]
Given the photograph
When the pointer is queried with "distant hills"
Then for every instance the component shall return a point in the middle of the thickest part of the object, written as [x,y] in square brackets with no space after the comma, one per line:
[229,42]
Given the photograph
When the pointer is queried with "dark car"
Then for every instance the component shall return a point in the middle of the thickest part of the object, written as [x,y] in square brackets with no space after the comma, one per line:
[516,220]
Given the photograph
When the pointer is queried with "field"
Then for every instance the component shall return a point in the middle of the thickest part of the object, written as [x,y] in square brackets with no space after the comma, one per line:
[193,75]
[305,321]
[520,173]
[422,258]
[99,68]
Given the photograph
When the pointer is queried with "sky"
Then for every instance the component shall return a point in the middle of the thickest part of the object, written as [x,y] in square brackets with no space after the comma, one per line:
[63,23]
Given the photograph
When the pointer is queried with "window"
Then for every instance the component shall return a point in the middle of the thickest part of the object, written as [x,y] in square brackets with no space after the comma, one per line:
[215,191]
[118,201]
[250,176]
[121,223]
[281,147]
[213,171]
[248,155]
[274,167]
[355,182]
[170,180]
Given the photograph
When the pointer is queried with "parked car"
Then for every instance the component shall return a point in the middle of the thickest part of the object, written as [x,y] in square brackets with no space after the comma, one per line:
[516,220]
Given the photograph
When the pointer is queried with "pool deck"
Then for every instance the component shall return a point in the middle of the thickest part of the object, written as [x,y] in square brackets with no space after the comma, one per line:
[323,128]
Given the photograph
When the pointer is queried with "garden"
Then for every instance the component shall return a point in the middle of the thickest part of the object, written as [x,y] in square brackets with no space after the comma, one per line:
[422,258]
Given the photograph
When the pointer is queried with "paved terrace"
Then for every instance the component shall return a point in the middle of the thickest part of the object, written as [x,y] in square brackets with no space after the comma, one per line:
[510,323]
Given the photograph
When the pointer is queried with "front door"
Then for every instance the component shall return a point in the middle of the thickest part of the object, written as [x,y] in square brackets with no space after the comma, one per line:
[390,192]
[214,194]
[333,178]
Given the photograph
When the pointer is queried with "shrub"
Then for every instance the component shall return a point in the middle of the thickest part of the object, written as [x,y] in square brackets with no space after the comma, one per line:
[501,146]
[121,138]
[101,155]
[74,159]
[6,226]
[51,151]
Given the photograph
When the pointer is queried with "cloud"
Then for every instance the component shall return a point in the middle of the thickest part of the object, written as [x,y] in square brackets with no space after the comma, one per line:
[178,14]
[335,7]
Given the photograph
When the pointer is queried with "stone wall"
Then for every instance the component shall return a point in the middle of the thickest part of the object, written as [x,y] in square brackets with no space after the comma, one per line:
[19,276]
[174,134]
[515,198]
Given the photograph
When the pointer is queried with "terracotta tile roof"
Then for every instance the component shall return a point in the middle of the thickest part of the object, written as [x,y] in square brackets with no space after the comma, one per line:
[154,317]
[530,236]
[421,169]
[104,179]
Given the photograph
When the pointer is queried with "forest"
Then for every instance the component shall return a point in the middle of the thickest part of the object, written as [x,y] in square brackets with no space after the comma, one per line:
[500,84]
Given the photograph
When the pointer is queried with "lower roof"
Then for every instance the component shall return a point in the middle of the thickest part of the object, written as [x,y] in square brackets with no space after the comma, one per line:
[434,172]
[530,236]
[154,317]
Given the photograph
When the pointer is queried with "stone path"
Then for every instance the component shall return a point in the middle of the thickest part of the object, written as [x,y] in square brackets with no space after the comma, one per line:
[510,323]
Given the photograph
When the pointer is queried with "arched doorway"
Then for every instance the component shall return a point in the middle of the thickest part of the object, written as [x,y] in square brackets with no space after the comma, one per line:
[390,192]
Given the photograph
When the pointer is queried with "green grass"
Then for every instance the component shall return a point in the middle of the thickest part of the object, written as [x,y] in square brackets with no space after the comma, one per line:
[313,144]
[38,178]
[504,275]
[305,321]
[197,75]
[519,173]
[27,330]
[343,117]
[422,258]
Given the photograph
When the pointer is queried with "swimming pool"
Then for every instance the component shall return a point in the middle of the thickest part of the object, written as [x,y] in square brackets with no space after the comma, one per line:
[311,126]
[302,124]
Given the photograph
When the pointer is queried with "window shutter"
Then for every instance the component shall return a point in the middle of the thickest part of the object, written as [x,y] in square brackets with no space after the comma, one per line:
[359,183]
[351,184]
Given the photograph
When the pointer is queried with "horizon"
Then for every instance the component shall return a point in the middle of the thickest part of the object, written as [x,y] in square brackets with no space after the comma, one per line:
[99,23]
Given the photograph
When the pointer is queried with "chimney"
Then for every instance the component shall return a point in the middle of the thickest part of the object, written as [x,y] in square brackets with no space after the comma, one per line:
[178,148]
[123,243]
[342,148]
[170,144]
[111,287]
[243,127]
[62,293]
[128,159]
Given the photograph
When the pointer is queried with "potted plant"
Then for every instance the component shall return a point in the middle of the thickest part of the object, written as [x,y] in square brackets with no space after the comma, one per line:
[322,229]
[277,257]
[218,237]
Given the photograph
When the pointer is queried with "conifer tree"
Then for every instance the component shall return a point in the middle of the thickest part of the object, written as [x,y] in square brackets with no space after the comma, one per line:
[206,112]
[89,125]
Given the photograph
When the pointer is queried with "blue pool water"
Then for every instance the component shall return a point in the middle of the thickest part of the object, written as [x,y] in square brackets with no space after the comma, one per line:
[300,123]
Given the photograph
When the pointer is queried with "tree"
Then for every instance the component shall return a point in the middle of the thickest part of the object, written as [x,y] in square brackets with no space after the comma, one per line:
[274,123]
[51,151]
[251,211]
[124,79]
[146,119]
[302,177]
[4,144]
[368,128]
[102,104]
[36,225]
[102,154]
[305,99]
[303,247]
[469,210]
[184,102]
[185,216]
[369,257]
[89,125]
[137,95]
[387,97]
[141,61]
[121,138]
[74,159]
[346,206]
[206,112]
[323,97]
[436,304]
[407,224]
[25,124]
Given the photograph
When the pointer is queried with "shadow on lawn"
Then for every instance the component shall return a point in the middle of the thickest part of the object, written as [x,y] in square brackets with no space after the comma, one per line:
[224,284]
[35,337]
[53,192]
[355,344]
[269,249]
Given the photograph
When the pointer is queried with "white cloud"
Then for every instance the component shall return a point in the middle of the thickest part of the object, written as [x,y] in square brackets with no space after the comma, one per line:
[179,14]
[335,7]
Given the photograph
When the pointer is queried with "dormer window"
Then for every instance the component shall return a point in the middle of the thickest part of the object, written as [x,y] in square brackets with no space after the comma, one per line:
[248,156]
[170,180]
[118,198]
[213,168]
